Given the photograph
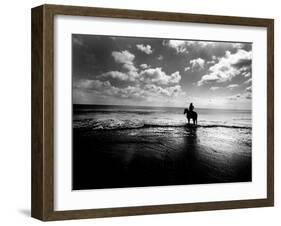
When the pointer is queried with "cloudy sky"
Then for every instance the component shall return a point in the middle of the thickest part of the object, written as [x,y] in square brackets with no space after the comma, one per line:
[161,72]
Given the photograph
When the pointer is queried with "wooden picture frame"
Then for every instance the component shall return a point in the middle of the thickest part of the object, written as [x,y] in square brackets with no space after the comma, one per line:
[42,205]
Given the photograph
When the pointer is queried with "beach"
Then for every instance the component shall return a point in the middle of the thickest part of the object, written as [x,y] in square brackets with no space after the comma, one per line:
[115,147]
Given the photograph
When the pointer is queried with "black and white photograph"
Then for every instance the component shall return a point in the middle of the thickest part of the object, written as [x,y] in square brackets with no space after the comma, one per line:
[160,112]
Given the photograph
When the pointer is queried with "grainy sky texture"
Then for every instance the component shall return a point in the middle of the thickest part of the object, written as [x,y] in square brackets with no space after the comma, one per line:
[161,72]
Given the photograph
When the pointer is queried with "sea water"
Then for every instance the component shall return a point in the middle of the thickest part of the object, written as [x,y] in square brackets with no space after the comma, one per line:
[109,117]
[124,143]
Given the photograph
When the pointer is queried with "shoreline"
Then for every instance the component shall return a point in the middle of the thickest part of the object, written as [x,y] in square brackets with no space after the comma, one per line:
[158,157]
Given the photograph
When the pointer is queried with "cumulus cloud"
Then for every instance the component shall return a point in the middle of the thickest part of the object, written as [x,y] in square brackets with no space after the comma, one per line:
[127,92]
[238,45]
[147,91]
[160,57]
[212,61]
[157,76]
[240,97]
[141,83]
[234,97]
[172,91]
[182,46]
[213,88]
[187,68]
[246,71]
[147,75]
[105,88]
[119,75]
[232,86]
[146,49]
[249,89]
[228,67]
[91,84]
[140,77]
[125,58]
[144,66]
[248,81]
[117,72]
[178,45]
[197,64]
[200,43]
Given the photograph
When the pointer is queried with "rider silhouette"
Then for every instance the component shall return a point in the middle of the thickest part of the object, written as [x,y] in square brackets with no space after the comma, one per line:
[191,107]
[190,114]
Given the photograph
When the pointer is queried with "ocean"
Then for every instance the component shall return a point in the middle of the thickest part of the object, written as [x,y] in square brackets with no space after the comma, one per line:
[133,146]
[108,117]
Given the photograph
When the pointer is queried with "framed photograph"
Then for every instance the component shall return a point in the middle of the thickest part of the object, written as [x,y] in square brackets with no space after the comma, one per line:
[141,112]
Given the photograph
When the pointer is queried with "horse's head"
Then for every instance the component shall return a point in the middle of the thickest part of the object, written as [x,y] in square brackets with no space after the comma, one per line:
[185,111]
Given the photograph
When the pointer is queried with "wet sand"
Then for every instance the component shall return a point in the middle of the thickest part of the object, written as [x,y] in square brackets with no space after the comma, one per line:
[160,156]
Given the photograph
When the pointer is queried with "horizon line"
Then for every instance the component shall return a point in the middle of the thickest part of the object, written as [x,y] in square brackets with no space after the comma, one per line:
[164,106]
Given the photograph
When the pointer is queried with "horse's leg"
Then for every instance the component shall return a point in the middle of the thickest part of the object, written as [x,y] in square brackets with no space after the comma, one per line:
[188,120]
[195,119]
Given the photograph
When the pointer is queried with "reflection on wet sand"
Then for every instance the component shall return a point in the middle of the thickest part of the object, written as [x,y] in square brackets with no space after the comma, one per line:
[155,157]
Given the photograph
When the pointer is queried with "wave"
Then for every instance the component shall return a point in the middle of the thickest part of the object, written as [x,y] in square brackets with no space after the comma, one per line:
[197,126]
[226,126]
[113,124]
[104,111]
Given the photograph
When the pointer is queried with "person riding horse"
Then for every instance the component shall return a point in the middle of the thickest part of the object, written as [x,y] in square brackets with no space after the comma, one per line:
[191,107]
[191,114]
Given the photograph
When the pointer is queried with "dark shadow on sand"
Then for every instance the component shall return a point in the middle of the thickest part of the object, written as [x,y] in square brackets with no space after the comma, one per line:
[109,159]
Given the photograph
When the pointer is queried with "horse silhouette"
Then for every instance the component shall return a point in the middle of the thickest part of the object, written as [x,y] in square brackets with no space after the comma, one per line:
[189,115]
